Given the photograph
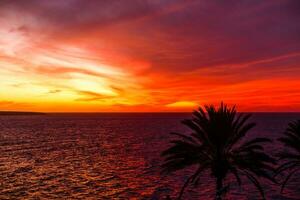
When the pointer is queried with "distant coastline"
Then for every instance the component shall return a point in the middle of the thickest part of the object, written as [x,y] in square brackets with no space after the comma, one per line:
[20,113]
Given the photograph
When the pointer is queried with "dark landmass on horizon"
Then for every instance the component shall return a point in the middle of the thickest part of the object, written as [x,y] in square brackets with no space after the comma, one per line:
[20,113]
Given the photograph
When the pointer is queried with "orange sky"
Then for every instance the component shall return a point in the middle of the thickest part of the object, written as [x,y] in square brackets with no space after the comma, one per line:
[158,55]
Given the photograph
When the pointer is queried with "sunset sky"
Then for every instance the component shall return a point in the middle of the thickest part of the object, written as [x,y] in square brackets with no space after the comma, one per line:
[149,55]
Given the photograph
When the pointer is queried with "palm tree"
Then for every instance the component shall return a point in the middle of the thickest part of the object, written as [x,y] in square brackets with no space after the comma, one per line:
[290,157]
[214,145]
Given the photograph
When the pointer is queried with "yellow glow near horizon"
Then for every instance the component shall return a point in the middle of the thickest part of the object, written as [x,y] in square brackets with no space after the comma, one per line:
[182,104]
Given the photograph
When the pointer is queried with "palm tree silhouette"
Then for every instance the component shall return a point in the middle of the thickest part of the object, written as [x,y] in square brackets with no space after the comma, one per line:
[214,145]
[291,157]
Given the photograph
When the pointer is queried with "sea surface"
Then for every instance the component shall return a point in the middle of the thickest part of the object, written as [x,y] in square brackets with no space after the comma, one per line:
[111,156]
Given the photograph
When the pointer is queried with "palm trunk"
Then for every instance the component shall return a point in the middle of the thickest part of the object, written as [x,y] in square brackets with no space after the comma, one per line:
[219,188]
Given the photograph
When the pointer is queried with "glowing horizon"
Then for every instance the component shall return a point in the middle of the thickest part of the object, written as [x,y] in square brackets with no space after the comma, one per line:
[149,56]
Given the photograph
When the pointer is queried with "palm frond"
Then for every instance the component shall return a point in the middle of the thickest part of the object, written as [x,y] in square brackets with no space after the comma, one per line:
[291,155]
[286,166]
[235,172]
[188,138]
[288,178]
[256,183]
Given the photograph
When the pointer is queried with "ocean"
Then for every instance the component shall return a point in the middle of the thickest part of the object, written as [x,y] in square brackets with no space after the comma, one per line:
[112,156]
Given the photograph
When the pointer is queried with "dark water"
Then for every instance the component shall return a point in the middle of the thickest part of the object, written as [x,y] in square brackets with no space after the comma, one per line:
[108,156]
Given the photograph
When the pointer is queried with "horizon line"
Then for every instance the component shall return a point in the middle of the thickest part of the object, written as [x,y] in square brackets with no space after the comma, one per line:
[133,112]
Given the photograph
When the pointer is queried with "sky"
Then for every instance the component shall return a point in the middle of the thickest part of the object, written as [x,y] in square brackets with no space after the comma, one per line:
[149,55]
